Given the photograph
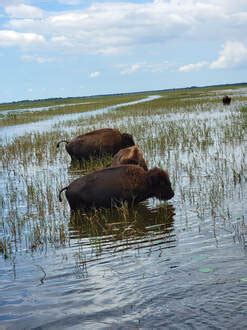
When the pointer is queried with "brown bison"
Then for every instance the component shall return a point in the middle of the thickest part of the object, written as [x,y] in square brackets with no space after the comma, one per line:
[113,185]
[130,155]
[226,100]
[97,143]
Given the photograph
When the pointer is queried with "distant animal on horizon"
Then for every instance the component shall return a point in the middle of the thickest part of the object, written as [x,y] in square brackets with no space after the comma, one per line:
[130,155]
[226,100]
[97,143]
[111,186]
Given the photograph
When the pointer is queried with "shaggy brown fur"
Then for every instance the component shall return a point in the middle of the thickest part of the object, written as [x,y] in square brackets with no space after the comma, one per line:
[131,155]
[130,183]
[97,143]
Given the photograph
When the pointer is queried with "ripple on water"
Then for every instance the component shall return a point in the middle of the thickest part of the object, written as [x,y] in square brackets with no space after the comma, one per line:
[161,266]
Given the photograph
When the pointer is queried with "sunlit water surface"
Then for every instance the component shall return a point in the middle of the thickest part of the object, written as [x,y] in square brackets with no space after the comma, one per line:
[180,264]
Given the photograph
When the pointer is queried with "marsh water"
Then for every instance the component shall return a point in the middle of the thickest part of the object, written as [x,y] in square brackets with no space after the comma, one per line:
[179,264]
[46,125]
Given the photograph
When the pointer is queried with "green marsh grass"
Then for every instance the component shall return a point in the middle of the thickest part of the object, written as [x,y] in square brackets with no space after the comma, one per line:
[68,101]
[199,142]
[21,117]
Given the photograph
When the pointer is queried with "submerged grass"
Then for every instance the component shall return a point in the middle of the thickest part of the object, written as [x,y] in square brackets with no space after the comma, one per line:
[200,142]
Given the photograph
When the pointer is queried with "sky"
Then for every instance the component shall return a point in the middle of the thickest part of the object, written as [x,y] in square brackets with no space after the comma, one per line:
[61,48]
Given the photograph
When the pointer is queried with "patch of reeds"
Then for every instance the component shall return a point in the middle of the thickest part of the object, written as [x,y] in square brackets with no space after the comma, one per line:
[200,143]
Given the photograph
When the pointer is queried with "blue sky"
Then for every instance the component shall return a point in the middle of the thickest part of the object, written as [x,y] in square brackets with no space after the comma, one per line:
[59,48]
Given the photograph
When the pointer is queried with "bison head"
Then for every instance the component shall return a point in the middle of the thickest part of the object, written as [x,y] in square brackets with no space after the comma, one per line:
[127,140]
[159,184]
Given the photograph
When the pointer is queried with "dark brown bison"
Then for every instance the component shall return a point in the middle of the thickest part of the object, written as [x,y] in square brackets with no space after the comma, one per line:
[113,185]
[130,155]
[97,143]
[226,100]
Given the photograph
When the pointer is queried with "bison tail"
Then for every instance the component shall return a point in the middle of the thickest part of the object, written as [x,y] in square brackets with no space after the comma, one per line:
[59,196]
[61,142]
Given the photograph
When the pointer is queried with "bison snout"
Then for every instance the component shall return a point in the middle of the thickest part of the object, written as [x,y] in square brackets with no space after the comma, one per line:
[167,195]
[171,194]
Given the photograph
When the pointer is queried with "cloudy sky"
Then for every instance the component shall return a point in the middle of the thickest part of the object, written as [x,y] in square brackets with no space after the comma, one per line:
[54,48]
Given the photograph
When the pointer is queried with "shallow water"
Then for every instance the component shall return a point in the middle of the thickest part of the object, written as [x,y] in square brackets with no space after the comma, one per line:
[37,109]
[9,132]
[179,264]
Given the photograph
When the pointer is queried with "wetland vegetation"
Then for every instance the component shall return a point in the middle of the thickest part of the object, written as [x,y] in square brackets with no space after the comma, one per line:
[179,263]
[42,110]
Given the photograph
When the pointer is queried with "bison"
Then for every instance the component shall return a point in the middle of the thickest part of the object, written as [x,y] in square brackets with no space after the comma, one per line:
[97,143]
[226,100]
[111,186]
[130,155]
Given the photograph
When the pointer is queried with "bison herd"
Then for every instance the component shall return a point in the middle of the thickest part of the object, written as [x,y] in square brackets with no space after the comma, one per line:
[127,180]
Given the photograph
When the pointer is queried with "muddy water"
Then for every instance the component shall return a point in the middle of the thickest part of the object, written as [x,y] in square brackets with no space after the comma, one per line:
[179,264]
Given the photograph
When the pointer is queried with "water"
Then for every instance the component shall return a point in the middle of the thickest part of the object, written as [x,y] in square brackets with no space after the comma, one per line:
[46,125]
[37,109]
[176,265]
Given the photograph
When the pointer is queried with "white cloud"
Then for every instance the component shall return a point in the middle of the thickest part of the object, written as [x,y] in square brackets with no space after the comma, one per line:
[94,74]
[11,38]
[23,11]
[193,66]
[130,69]
[37,59]
[144,66]
[113,27]
[70,2]
[106,27]
[233,55]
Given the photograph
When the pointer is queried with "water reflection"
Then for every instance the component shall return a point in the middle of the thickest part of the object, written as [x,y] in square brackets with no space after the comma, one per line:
[125,227]
[143,267]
